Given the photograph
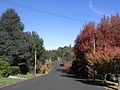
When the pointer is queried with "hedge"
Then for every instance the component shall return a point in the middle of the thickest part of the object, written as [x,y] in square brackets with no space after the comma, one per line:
[6,69]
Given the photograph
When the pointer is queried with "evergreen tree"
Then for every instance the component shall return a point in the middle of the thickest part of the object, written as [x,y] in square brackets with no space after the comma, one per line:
[15,45]
[38,46]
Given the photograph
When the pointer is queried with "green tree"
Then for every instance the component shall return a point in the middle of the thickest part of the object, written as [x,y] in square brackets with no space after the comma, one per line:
[15,45]
[38,45]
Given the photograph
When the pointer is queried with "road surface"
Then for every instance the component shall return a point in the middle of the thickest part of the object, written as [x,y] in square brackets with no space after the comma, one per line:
[55,80]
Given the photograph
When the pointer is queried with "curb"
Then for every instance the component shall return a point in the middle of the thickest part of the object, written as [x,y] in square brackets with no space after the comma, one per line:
[113,88]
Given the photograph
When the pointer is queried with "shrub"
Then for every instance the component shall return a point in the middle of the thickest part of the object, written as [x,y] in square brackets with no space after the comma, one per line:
[4,68]
[0,74]
[43,68]
[14,70]
[67,66]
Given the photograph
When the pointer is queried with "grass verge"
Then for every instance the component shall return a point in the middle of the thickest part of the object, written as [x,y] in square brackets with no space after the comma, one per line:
[29,75]
[4,81]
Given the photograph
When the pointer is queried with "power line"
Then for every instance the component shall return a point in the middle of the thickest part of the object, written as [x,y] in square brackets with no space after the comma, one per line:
[41,11]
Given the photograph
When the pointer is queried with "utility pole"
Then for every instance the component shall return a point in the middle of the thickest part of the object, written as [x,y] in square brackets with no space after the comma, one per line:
[94,45]
[35,63]
[94,53]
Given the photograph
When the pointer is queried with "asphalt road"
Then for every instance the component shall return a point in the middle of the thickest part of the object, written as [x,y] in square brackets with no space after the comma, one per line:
[55,80]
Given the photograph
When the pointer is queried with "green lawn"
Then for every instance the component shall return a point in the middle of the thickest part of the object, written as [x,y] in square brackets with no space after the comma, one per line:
[29,75]
[4,81]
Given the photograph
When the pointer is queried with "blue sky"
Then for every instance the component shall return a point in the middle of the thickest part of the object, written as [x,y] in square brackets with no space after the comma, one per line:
[58,22]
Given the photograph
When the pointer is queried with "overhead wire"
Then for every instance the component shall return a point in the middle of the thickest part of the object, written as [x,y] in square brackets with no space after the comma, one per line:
[41,11]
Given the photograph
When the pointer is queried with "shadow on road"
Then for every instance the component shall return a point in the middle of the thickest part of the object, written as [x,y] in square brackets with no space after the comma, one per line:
[96,83]
[59,70]
[69,76]
[87,81]
[91,82]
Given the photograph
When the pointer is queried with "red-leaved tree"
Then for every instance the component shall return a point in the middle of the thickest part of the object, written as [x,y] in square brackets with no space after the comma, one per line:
[97,47]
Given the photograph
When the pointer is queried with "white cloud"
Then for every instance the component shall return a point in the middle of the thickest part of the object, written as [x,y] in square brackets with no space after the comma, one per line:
[95,10]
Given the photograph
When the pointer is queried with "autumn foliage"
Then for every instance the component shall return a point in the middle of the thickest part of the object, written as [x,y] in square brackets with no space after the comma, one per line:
[43,68]
[67,66]
[97,47]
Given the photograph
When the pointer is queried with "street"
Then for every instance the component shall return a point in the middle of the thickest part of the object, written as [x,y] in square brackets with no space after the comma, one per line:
[55,80]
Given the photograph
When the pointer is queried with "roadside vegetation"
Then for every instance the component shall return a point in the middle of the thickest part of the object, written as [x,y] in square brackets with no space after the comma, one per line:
[28,75]
[95,57]
[17,49]
[97,50]
[4,81]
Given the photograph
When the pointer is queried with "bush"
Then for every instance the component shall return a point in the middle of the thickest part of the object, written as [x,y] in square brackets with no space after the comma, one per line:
[14,70]
[43,68]
[4,68]
[0,74]
[67,66]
